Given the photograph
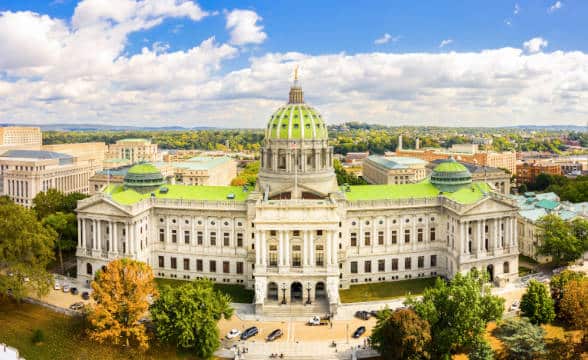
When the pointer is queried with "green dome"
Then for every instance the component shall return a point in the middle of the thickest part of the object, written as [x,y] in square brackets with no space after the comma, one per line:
[143,176]
[296,122]
[450,176]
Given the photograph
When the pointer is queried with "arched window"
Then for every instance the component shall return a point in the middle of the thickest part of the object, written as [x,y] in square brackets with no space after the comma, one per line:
[88,268]
[505,267]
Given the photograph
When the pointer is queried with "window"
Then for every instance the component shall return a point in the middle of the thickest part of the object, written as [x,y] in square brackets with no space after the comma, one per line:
[213,238]
[240,239]
[226,239]
[239,267]
[162,235]
[432,234]
[273,255]
[199,265]
[381,265]
[226,267]
[88,268]
[407,263]
[353,267]
[161,261]
[297,232]
[367,266]
[320,255]
[505,267]
[187,237]
[421,262]
[353,239]
[296,256]
[174,264]
[420,235]
[199,237]
[319,233]
[174,236]
[433,260]
[212,266]
[367,238]
[186,264]
[394,264]
[394,236]
[406,236]
[380,238]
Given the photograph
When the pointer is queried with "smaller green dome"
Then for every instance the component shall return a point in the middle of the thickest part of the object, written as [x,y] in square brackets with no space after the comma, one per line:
[450,176]
[450,166]
[143,176]
[143,168]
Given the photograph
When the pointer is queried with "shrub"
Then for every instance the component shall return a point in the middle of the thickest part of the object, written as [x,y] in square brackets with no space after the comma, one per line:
[38,336]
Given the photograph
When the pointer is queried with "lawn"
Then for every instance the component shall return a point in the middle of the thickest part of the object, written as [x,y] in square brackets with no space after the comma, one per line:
[238,293]
[64,337]
[385,290]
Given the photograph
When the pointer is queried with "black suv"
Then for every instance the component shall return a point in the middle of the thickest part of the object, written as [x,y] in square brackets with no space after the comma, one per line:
[363,315]
[275,335]
[360,330]
[252,331]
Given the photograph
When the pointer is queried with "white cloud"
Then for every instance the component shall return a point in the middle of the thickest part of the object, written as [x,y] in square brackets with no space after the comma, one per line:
[535,44]
[386,38]
[517,9]
[445,42]
[508,22]
[556,6]
[243,27]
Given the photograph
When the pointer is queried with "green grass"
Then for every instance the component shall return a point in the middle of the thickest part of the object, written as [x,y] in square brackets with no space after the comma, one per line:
[238,293]
[385,290]
[175,191]
[64,337]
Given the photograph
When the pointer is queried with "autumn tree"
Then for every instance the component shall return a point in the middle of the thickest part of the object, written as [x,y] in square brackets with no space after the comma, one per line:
[537,304]
[121,291]
[574,304]
[26,247]
[522,340]
[557,285]
[558,240]
[401,334]
[65,225]
[187,316]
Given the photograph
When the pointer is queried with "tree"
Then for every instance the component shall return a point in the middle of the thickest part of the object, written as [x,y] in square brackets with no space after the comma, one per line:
[537,304]
[344,177]
[458,312]
[26,247]
[481,351]
[564,349]
[65,225]
[48,202]
[187,316]
[401,334]
[580,230]
[558,240]
[557,285]
[522,340]
[574,304]
[121,292]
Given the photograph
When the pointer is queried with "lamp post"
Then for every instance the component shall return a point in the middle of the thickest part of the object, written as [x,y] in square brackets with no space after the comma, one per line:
[308,287]
[284,293]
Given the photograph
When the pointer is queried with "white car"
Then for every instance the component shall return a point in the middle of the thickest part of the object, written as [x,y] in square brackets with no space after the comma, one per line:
[315,320]
[65,288]
[515,305]
[233,333]
[56,286]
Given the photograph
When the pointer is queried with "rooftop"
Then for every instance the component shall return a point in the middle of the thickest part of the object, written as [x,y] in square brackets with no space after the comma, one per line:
[38,155]
[134,140]
[395,162]
[144,168]
[450,166]
[185,192]
[197,163]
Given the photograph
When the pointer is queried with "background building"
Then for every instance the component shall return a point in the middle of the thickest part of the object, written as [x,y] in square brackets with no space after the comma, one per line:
[527,171]
[393,170]
[133,150]
[20,137]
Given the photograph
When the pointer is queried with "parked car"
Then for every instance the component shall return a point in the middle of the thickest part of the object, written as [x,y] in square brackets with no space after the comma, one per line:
[56,286]
[515,305]
[74,291]
[86,295]
[77,306]
[374,313]
[252,331]
[316,321]
[362,314]
[233,333]
[65,288]
[275,335]
[358,332]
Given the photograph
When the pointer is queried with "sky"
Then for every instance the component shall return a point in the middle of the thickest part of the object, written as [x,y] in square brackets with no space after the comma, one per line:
[230,63]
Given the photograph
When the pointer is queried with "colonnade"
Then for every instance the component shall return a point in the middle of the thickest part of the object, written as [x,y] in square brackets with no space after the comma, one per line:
[500,234]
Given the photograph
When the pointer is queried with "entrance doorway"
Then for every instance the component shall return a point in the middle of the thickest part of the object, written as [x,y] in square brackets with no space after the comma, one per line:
[490,271]
[296,292]
[272,291]
[319,291]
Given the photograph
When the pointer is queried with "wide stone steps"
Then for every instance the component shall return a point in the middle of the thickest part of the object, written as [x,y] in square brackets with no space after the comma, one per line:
[295,311]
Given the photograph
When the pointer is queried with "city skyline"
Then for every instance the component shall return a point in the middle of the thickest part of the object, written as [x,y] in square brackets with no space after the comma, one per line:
[225,64]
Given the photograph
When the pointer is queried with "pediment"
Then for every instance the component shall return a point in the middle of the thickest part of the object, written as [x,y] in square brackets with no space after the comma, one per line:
[488,206]
[103,206]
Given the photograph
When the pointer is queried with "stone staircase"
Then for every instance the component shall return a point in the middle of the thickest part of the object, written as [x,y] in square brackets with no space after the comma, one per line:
[296,310]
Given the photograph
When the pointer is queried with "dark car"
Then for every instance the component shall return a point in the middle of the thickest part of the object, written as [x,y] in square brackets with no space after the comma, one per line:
[252,331]
[360,331]
[363,315]
[275,335]
[74,291]
[86,295]
[374,313]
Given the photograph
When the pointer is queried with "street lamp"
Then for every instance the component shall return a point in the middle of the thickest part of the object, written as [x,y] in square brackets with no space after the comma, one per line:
[308,287]
[284,293]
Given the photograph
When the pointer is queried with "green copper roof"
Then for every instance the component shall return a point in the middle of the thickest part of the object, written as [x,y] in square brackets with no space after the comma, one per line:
[125,196]
[145,176]
[296,122]
[450,166]
[144,168]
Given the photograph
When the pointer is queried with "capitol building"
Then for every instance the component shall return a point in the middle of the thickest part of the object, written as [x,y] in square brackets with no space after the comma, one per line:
[299,237]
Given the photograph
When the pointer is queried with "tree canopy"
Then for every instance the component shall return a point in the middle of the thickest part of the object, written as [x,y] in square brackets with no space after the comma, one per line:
[573,306]
[536,303]
[51,201]
[522,340]
[65,226]
[557,286]
[558,240]
[345,177]
[248,176]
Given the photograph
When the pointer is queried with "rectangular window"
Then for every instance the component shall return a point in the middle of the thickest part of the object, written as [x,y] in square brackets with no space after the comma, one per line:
[353,239]
[432,234]
[199,265]
[380,238]
[296,233]
[162,235]
[226,239]
[406,236]
[273,256]
[199,237]
[353,267]
[394,236]
[367,238]
[421,262]
[212,266]
[433,260]
[420,235]
[394,264]
[407,263]
[213,238]
[240,239]
[226,267]
[186,264]
[381,265]
[187,237]
[161,262]
[174,236]
[174,264]
[367,266]
[239,267]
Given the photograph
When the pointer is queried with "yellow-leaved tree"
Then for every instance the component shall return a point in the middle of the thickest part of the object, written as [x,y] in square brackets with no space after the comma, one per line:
[122,291]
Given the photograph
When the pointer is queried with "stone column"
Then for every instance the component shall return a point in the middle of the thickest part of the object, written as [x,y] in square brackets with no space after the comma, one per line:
[264,249]
[335,247]
[287,261]
[328,243]
[84,234]
[483,232]
[94,229]
[114,238]
[80,233]
[257,249]
[281,248]
[98,235]
[515,233]
[305,248]
[312,248]
[110,237]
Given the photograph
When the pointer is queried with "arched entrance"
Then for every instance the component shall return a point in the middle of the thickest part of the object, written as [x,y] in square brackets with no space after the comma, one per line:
[296,292]
[272,291]
[319,291]
[490,271]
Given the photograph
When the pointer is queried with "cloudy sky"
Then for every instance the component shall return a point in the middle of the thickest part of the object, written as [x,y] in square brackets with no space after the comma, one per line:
[230,63]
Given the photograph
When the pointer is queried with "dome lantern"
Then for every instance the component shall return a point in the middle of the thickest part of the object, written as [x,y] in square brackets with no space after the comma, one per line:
[450,176]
